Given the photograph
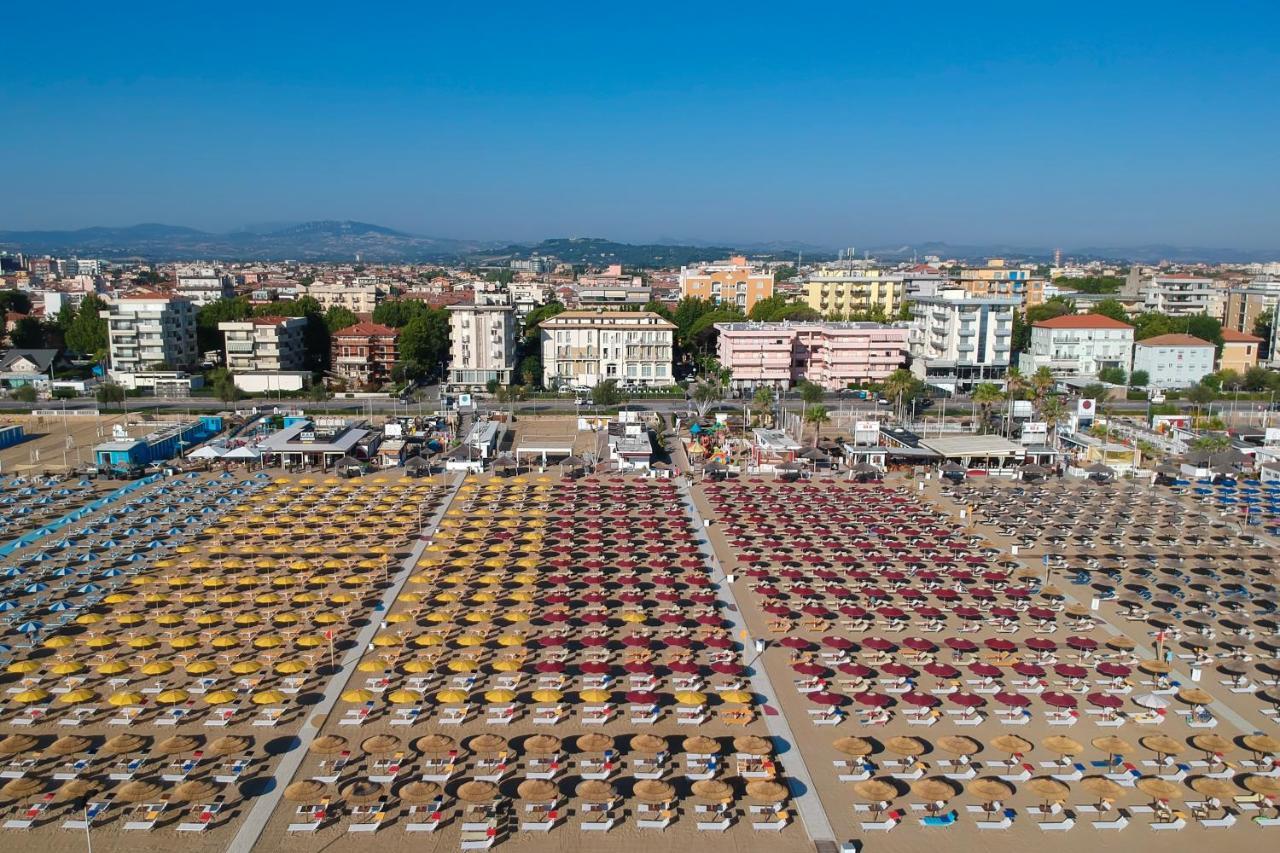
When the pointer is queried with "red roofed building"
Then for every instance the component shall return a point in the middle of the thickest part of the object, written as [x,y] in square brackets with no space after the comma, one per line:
[365,353]
[1079,345]
[1240,351]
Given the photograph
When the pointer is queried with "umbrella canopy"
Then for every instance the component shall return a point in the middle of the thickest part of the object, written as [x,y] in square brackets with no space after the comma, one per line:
[176,744]
[596,791]
[123,745]
[1160,789]
[1194,696]
[138,791]
[653,791]
[594,742]
[68,745]
[234,745]
[542,745]
[701,745]
[647,744]
[959,745]
[1268,786]
[15,744]
[1102,787]
[1112,745]
[306,791]
[538,790]
[1011,744]
[753,745]
[990,788]
[380,744]
[1062,745]
[904,745]
[21,788]
[419,792]
[767,791]
[1163,744]
[195,791]
[1210,787]
[75,789]
[878,790]
[1265,744]
[362,792]
[476,791]
[1213,743]
[854,746]
[934,789]
[713,790]
[328,744]
[1051,789]
[435,744]
[487,744]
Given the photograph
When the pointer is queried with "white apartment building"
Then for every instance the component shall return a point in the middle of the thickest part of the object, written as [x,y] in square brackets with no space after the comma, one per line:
[482,343]
[147,329]
[356,298]
[203,285]
[1174,361]
[958,341]
[584,348]
[1181,295]
[1079,345]
[264,344]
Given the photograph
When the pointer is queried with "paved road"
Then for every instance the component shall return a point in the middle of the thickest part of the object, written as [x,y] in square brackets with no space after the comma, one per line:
[256,821]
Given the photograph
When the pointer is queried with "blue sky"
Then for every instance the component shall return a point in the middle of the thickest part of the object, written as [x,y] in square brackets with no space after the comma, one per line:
[848,124]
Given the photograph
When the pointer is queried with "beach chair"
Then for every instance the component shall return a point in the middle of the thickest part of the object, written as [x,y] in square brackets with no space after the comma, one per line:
[368,818]
[178,771]
[27,818]
[406,716]
[79,715]
[222,717]
[85,820]
[500,715]
[454,715]
[713,818]
[331,768]
[269,717]
[424,817]
[143,817]
[125,769]
[548,715]
[940,820]
[356,716]
[70,770]
[492,768]
[230,771]
[644,715]
[654,816]
[597,817]
[891,819]
[543,767]
[172,716]
[1178,821]
[17,769]
[598,715]
[1003,822]
[772,821]
[385,770]
[312,816]
[539,817]
[439,769]
[697,766]
[204,816]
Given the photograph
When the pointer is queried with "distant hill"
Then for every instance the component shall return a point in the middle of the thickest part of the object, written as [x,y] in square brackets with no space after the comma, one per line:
[1141,254]
[325,240]
[599,251]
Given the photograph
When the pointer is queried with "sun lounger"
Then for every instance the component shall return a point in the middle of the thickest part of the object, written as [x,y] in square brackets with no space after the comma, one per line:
[221,717]
[385,770]
[78,715]
[1178,822]
[85,820]
[269,717]
[125,770]
[312,816]
[424,818]
[1057,825]
[406,716]
[180,770]
[654,816]
[17,769]
[891,819]
[231,771]
[27,818]
[946,819]
[775,821]
[368,818]
[144,817]
[204,817]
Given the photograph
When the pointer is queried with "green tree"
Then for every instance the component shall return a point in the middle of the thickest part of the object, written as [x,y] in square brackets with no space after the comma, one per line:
[25,393]
[900,387]
[1113,309]
[1042,382]
[1230,380]
[1053,410]
[606,393]
[705,395]
[1139,378]
[785,273]
[109,392]
[224,385]
[1113,375]
[27,333]
[810,395]
[904,312]
[425,339]
[1092,283]
[1262,329]
[338,317]
[702,334]
[532,334]
[987,395]
[317,392]
[1150,324]
[531,369]
[762,405]
[1201,394]
[1258,378]
[660,308]
[88,332]
[16,301]
[500,276]
[817,415]
[1215,443]
[1094,391]
[208,336]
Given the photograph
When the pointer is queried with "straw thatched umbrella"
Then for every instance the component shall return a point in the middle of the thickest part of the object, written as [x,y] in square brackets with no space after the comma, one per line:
[934,790]
[1194,696]
[195,791]
[904,745]
[26,786]
[538,791]
[418,793]
[647,744]
[594,742]
[959,745]
[1212,742]
[75,789]
[176,744]
[1261,744]
[753,745]
[1103,788]
[487,744]
[476,791]
[230,745]
[1112,745]
[713,791]
[435,744]
[542,745]
[1159,789]
[1122,643]
[68,745]
[855,746]
[990,789]
[1163,745]
[138,791]
[1155,667]
[654,791]
[328,745]
[1011,744]
[1267,786]
[306,791]
[1218,788]
[879,791]
[15,744]
[123,745]
[1062,745]
[1052,790]
[767,791]
[701,745]
[362,792]
[596,791]
[380,744]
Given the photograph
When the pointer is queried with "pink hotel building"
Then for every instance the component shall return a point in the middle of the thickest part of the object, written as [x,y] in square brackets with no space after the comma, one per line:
[833,355]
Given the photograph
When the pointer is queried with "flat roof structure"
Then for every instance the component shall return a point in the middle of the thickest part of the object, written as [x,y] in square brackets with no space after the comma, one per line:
[290,440]
[775,440]
[966,446]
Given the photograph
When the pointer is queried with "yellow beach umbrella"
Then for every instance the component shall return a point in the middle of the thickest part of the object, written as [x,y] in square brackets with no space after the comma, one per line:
[172,697]
[462,666]
[506,666]
[327,618]
[500,695]
[23,667]
[291,667]
[269,697]
[226,641]
[595,695]
[78,696]
[200,667]
[125,697]
[130,619]
[270,641]
[740,697]
[404,697]
[89,618]
[547,695]
[387,640]
[157,667]
[358,695]
[220,697]
[246,667]
[691,697]
[447,697]
[113,667]
[309,641]
[142,641]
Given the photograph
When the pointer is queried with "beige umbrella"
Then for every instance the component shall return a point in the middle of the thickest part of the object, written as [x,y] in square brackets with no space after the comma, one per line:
[75,789]
[1155,667]
[653,791]
[1052,790]
[1102,787]
[594,742]
[1194,696]
[904,745]
[876,790]
[176,744]
[306,791]
[487,744]
[435,744]
[1160,789]
[1210,787]
[15,744]
[542,745]
[123,745]
[1112,746]
[959,745]
[138,791]
[1268,786]
[713,791]
[933,790]
[1011,744]
[1122,643]
[476,791]
[328,745]
[596,791]
[27,786]
[362,792]
[767,791]
[701,745]
[380,744]
[230,745]
[538,790]
[647,744]
[1212,743]
[195,791]
[753,745]
[1261,744]
[1163,745]
[68,745]
[1062,745]
[417,793]
[989,789]
[855,746]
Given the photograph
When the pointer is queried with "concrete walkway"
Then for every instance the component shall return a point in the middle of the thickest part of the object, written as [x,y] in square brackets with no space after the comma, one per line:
[808,805]
[256,821]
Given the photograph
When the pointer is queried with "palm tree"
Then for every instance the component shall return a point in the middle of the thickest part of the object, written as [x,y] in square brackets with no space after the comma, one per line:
[762,404]
[705,395]
[1053,410]
[817,415]
[1042,383]
[897,384]
[810,395]
[986,395]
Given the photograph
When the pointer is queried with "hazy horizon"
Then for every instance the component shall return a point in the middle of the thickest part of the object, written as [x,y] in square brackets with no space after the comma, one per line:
[1113,125]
